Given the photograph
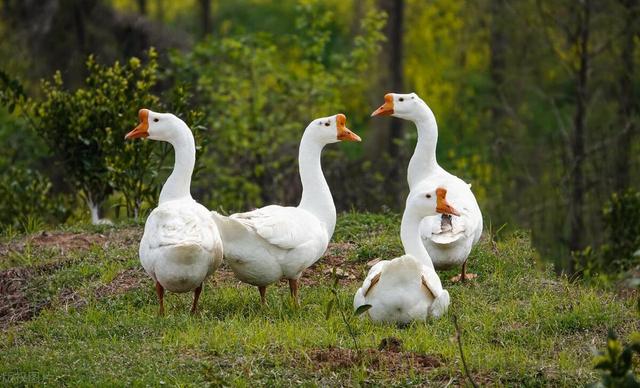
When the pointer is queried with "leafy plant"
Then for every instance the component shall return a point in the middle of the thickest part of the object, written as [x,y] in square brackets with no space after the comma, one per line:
[261,91]
[85,130]
[26,200]
[335,302]
[621,215]
[615,362]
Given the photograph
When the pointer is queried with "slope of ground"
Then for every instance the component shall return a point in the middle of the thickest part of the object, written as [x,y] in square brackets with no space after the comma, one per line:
[75,308]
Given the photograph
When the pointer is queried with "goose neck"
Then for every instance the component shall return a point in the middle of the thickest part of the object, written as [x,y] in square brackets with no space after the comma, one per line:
[316,196]
[423,163]
[178,185]
[411,239]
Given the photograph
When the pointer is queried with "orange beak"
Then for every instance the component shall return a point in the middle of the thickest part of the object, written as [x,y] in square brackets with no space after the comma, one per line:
[344,133]
[442,206]
[142,130]
[385,109]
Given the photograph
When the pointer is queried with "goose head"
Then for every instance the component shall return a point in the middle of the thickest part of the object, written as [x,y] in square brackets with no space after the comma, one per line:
[331,129]
[404,106]
[157,126]
[430,202]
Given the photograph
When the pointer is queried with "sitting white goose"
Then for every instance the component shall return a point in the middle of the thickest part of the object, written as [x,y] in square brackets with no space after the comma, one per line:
[408,288]
[275,242]
[448,239]
[181,245]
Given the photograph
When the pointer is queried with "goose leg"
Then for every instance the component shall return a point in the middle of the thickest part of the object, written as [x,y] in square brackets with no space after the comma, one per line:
[160,293]
[463,275]
[263,294]
[196,296]
[293,287]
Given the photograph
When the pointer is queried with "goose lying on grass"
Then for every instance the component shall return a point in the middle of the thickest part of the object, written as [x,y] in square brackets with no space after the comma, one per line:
[408,288]
[181,245]
[275,242]
[448,239]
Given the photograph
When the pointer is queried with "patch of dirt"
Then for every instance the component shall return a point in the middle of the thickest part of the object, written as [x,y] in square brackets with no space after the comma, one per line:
[392,360]
[15,306]
[69,241]
[125,281]
[334,260]
[70,298]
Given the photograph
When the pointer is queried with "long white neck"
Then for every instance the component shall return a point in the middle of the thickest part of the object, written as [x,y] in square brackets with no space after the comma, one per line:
[411,239]
[178,185]
[423,163]
[316,196]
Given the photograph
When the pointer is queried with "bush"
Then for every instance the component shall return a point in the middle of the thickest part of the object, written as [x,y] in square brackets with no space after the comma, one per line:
[25,195]
[260,92]
[85,130]
[621,216]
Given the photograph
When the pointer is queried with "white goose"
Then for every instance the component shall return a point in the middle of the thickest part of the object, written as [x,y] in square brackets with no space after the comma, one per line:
[408,288]
[275,242]
[448,239]
[181,245]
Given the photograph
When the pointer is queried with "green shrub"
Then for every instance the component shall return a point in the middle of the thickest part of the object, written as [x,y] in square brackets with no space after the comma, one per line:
[621,216]
[85,131]
[25,199]
[260,91]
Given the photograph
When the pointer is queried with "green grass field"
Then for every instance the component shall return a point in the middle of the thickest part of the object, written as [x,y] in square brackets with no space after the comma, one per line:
[77,309]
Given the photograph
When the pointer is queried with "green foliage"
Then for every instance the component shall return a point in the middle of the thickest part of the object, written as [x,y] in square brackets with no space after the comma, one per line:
[261,91]
[615,362]
[26,200]
[621,215]
[11,91]
[85,130]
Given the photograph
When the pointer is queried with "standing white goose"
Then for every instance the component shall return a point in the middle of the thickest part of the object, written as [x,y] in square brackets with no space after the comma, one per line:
[408,288]
[448,239]
[275,242]
[181,245]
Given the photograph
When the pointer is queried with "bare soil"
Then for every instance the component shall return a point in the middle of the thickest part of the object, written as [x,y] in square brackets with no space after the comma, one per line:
[391,361]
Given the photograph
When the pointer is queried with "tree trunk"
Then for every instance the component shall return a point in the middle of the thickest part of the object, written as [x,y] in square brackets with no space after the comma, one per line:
[626,110]
[393,31]
[497,60]
[388,130]
[576,209]
[79,19]
[142,7]
[160,10]
[205,9]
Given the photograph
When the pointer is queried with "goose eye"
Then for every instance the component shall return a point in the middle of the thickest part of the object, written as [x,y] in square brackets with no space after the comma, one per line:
[156,120]
[326,124]
[400,99]
[428,195]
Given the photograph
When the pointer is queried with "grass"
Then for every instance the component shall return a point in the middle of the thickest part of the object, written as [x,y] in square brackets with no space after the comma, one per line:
[96,323]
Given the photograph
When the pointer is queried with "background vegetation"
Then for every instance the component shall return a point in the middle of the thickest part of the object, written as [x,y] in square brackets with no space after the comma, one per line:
[537,104]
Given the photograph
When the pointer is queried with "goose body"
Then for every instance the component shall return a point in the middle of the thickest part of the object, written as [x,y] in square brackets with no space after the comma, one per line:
[181,244]
[448,239]
[275,242]
[407,288]
[272,243]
